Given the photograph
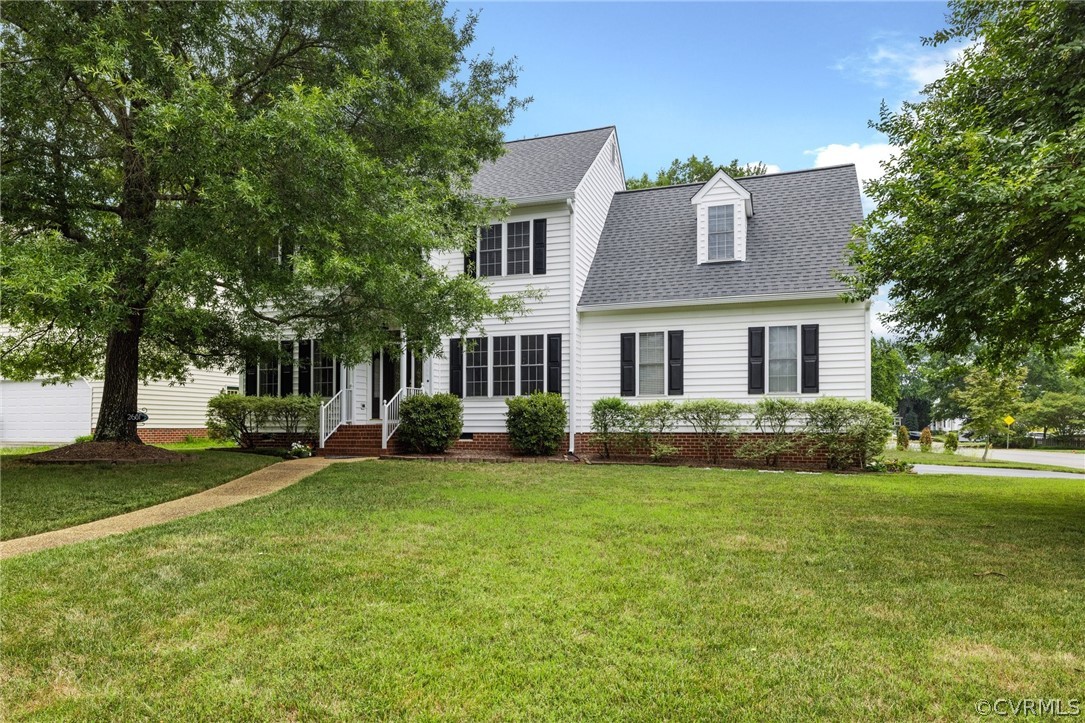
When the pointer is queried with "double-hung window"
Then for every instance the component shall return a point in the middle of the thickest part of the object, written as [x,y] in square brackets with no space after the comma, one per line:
[783,359]
[504,366]
[518,247]
[268,378]
[323,370]
[489,250]
[651,363]
[531,363]
[478,382]
[721,233]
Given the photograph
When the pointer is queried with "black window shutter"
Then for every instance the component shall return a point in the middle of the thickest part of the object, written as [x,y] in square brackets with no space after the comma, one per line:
[305,367]
[553,363]
[455,367]
[629,365]
[286,369]
[675,363]
[338,375]
[756,360]
[809,358]
[538,250]
[250,380]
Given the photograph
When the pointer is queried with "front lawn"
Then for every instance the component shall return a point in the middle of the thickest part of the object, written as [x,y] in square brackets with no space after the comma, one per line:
[963,460]
[38,498]
[546,591]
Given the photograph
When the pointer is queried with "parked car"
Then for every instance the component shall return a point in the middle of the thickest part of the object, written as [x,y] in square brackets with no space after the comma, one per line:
[913,434]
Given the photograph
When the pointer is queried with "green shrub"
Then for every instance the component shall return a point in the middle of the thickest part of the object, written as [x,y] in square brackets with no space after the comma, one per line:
[925,440]
[773,417]
[232,416]
[536,423]
[651,421]
[84,438]
[430,423]
[713,420]
[848,432]
[950,443]
[902,439]
[295,414]
[611,419]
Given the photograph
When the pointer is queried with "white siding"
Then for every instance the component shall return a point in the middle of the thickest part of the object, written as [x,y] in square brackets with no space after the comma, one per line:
[715,348]
[177,405]
[593,197]
[549,315]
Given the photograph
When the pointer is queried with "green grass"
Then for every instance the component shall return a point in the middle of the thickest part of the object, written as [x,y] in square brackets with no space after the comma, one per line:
[964,460]
[38,498]
[504,592]
[19,451]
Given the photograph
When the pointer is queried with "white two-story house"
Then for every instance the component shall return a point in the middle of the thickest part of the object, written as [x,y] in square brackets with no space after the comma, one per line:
[717,290]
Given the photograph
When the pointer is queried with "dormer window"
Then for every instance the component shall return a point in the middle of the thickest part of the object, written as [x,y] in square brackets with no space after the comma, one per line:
[722,207]
[721,233]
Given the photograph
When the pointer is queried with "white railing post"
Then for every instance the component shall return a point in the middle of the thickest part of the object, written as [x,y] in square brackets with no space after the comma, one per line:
[331,416]
[390,417]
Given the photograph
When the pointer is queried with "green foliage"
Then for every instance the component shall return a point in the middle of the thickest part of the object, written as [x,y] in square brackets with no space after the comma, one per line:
[694,170]
[84,438]
[536,423]
[651,422]
[887,370]
[714,420]
[950,445]
[903,440]
[183,181]
[611,418]
[775,418]
[891,465]
[925,440]
[1061,413]
[430,423]
[989,397]
[849,432]
[236,417]
[979,219]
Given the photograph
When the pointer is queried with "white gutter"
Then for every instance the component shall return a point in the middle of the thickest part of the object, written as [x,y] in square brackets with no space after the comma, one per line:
[572,323]
[748,299]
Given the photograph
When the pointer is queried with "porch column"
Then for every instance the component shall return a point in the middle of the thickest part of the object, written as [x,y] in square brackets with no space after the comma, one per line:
[402,360]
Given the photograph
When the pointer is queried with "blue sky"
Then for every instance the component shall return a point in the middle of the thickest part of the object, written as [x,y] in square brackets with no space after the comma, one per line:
[790,84]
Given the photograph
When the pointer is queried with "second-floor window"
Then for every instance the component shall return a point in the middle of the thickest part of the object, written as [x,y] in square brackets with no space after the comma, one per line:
[519,247]
[721,233]
[489,251]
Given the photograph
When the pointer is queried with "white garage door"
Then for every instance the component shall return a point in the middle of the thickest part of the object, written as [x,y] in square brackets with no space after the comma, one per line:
[30,412]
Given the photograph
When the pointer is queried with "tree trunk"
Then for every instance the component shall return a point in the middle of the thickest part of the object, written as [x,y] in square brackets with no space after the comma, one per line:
[121,390]
[986,446]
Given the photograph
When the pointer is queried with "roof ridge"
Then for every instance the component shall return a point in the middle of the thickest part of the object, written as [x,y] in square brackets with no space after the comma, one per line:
[661,188]
[567,133]
[801,170]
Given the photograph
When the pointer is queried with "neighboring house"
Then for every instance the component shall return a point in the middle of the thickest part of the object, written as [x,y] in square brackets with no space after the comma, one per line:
[58,413]
[717,290]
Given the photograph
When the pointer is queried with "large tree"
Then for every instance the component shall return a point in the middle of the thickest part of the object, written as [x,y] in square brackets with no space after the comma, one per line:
[980,216]
[887,370]
[694,170]
[185,182]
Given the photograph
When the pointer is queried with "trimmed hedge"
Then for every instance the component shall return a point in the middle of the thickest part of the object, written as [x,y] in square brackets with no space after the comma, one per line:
[232,416]
[430,423]
[536,423]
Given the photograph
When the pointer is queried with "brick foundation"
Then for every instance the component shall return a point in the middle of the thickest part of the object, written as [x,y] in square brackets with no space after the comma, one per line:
[691,450]
[167,435]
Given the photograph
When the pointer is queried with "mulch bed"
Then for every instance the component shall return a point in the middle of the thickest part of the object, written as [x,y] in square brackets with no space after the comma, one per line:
[116,452]
[466,455]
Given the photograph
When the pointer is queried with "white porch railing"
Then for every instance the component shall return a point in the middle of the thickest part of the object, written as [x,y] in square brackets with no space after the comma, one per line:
[333,413]
[390,416]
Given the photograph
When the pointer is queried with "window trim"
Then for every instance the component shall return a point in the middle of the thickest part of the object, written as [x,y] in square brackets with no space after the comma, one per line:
[708,234]
[637,393]
[515,366]
[797,358]
[520,364]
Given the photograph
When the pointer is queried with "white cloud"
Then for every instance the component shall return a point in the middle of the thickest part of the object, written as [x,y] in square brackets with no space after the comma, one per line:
[904,65]
[867,159]
[772,168]
[878,306]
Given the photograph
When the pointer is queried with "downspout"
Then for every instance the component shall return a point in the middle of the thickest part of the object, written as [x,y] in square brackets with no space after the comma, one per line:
[573,321]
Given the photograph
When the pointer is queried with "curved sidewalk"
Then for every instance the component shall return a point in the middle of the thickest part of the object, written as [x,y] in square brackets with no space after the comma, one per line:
[256,484]
[996,472]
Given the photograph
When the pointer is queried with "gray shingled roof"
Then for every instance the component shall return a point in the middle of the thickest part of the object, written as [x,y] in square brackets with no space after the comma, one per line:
[541,166]
[801,225]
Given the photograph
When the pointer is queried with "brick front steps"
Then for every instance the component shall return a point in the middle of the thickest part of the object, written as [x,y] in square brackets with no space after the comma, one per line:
[356,440]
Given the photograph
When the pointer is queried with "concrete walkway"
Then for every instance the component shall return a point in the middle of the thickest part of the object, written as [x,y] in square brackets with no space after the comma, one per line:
[257,484]
[996,472]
